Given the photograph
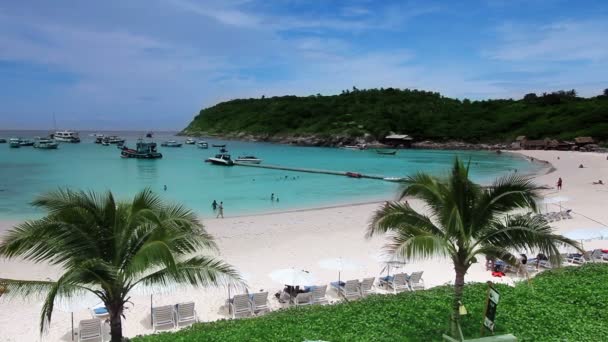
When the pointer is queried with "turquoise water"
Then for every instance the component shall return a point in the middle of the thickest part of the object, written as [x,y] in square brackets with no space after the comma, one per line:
[26,172]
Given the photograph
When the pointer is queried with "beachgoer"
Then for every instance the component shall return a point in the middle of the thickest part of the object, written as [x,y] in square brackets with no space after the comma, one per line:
[165,187]
[559,183]
[557,157]
[581,166]
[490,260]
[540,257]
[277,199]
[214,205]
[220,211]
[523,268]
[599,182]
[272,197]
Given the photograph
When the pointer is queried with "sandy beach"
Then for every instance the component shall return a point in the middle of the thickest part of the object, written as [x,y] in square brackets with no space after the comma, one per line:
[257,245]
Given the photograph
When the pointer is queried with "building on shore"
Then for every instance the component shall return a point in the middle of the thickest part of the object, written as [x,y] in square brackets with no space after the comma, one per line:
[398,140]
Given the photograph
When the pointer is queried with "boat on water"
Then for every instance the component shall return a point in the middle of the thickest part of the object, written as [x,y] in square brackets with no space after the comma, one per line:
[105,143]
[46,144]
[248,159]
[14,142]
[171,143]
[220,159]
[113,139]
[99,138]
[66,136]
[358,147]
[354,175]
[202,144]
[190,141]
[143,150]
[387,153]
[149,135]
[25,142]
[216,145]
[2,141]
[393,179]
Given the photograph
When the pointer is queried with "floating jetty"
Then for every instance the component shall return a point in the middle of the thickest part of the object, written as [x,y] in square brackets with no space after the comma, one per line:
[319,171]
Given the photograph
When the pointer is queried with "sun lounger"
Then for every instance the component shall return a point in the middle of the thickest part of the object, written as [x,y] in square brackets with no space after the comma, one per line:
[303,299]
[163,316]
[186,313]
[90,330]
[416,281]
[398,282]
[259,302]
[598,255]
[350,289]
[240,306]
[366,286]
[318,294]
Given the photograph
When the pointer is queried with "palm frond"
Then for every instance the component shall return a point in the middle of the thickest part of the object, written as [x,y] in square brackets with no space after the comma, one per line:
[397,216]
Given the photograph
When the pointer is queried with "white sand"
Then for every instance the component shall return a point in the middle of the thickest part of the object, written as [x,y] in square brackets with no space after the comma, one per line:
[256,245]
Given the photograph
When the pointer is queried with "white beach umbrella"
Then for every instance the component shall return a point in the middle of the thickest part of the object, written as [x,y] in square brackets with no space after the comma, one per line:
[339,264]
[389,260]
[292,277]
[556,199]
[78,302]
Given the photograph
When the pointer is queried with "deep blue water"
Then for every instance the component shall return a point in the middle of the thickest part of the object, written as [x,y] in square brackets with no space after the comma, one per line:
[26,172]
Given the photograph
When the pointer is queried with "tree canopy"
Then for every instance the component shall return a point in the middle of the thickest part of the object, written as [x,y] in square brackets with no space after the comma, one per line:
[421,114]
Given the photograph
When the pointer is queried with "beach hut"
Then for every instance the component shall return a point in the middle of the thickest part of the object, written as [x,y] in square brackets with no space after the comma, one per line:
[583,141]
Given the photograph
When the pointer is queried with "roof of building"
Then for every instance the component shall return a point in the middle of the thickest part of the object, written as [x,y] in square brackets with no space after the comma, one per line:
[584,140]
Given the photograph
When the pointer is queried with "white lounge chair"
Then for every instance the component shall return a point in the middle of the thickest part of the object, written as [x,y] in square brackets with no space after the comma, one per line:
[416,281]
[259,302]
[349,290]
[318,295]
[397,282]
[186,313]
[366,286]
[163,316]
[303,299]
[90,330]
[598,255]
[240,306]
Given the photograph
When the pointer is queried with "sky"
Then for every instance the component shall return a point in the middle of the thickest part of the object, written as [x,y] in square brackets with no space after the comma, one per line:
[153,64]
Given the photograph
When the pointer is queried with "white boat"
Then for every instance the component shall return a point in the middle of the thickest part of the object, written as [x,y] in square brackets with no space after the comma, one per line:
[220,159]
[248,159]
[67,136]
[359,147]
[171,143]
[190,141]
[393,179]
[45,144]
[202,144]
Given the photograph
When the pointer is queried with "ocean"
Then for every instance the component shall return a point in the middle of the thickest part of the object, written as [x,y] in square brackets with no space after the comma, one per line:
[27,172]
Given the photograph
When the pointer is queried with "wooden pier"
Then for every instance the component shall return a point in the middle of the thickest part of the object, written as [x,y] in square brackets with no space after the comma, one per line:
[318,171]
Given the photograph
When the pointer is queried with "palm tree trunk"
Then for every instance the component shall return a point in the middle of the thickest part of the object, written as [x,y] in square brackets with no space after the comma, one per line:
[458,289]
[116,323]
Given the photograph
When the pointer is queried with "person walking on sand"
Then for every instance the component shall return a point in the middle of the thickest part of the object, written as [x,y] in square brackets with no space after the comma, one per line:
[559,183]
[220,211]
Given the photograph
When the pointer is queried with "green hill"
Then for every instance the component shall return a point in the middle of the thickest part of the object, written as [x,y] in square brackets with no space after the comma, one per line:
[421,114]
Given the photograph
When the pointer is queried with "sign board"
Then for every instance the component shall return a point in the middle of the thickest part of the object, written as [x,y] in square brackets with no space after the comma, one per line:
[492,302]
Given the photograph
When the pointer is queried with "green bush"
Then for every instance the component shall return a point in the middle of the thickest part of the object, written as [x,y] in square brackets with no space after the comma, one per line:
[569,304]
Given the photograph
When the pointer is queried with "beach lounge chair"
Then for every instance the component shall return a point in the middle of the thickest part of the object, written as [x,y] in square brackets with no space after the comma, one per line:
[366,286]
[598,255]
[318,294]
[186,313]
[397,282]
[415,280]
[163,316]
[241,306]
[90,330]
[349,290]
[303,299]
[259,302]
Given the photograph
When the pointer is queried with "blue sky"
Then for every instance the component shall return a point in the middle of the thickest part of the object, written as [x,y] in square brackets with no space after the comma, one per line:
[153,64]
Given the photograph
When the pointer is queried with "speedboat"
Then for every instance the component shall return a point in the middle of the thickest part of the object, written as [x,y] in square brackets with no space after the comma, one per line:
[216,145]
[190,141]
[2,141]
[99,138]
[393,179]
[25,142]
[171,143]
[46,144]
[66,136]
[202,144]
[220,159]
[248,159]
[385,152]
[105,143]
[115,139]
[14,142]
[144,150]
[359,147]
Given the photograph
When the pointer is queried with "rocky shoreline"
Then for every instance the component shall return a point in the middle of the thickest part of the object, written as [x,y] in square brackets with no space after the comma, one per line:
[343,140]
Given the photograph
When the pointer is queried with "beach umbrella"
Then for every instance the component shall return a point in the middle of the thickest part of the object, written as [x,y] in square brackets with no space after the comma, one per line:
[389,260]
[141,289]
[292,277]
[556,199]
[77,302]
[339,264]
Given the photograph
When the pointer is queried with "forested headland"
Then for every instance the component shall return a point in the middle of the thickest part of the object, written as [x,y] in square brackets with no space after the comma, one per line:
[423,115]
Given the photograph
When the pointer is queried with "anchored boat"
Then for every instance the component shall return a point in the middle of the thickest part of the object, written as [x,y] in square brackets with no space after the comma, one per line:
[385,152]
[248,159]
[66,136]
[202,144]
[144,150]
[14,142]
[171,143]
[220,159]
[190,141]
[46,144]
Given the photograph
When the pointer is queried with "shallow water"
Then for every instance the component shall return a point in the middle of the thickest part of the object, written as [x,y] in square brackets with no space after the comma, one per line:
[26,172]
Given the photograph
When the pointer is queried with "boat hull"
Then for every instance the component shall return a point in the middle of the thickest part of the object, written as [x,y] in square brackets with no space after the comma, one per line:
[222,162]
[135,155]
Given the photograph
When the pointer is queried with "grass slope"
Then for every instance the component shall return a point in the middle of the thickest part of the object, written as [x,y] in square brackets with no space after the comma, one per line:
[569,304]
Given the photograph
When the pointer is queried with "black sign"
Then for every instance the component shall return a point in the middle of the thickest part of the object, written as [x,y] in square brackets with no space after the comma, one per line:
[492,302]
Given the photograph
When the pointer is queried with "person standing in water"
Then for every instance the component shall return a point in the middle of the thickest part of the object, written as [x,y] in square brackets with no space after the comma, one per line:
[165,187]
[220,210]
[272,197]
[214,205]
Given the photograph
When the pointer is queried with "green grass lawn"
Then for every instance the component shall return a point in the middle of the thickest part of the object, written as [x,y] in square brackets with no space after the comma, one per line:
[569,304]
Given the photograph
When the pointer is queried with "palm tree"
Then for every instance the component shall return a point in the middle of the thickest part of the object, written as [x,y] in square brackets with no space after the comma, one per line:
[108,247]
[465,220]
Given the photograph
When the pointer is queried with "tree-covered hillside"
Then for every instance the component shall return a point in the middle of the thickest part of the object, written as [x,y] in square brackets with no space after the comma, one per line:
[421,114]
